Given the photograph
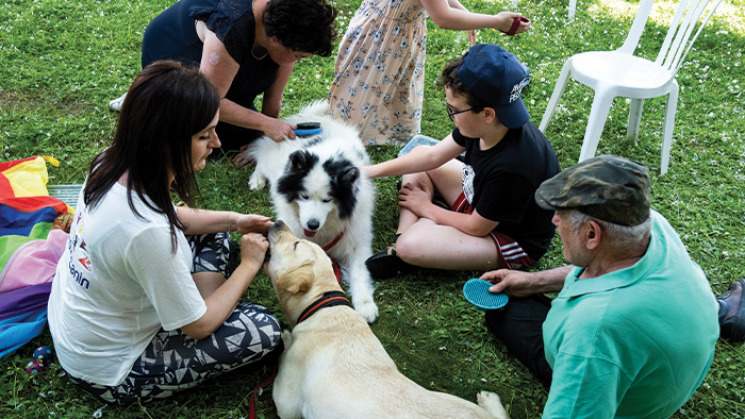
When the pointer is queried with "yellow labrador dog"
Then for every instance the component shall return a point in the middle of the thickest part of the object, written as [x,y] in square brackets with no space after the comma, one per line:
[333,366]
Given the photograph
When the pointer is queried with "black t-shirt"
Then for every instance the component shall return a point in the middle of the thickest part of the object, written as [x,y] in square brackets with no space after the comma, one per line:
[172,35]
[500,184]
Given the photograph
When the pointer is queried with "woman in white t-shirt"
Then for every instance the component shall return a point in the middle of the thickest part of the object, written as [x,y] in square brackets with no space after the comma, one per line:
[143,303]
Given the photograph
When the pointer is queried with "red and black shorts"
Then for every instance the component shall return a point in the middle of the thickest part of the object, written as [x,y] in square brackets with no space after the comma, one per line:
[509,252]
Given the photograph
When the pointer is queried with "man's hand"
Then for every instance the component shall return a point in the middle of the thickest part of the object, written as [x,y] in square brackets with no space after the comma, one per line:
[511,282]
[522,284]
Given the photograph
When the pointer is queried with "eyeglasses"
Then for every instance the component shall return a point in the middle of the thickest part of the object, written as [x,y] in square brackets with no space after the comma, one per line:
[451,111]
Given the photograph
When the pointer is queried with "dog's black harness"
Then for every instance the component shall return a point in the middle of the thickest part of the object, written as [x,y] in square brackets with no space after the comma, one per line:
[329,299]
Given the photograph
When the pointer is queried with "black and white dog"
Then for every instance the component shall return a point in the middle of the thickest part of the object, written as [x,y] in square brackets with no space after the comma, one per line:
[318,190]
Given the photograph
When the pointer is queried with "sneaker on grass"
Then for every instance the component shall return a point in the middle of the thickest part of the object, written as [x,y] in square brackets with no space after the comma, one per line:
[116,104]
[732,312]
[386,264]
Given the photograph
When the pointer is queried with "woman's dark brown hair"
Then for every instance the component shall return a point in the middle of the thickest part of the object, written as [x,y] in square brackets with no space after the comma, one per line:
[166,105]
[302,25]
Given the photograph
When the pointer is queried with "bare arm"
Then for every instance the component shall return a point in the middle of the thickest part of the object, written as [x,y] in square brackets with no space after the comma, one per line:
[272,102]
[220,69]
[418,160]
[523,284]
[455,4]
[222,302]
[450,14]
[199,221]
[271,105]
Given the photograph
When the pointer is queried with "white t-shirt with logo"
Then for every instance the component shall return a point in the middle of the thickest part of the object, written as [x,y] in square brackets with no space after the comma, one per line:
[118,283]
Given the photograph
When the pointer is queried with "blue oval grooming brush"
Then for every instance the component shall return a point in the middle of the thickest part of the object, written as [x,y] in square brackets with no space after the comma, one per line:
[477,293]
[308,128]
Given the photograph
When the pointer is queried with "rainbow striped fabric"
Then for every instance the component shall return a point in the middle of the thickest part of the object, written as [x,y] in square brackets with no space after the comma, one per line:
[29,249]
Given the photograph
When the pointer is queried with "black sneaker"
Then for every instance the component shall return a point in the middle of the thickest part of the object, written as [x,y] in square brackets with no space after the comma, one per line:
[386,264]
[732,312]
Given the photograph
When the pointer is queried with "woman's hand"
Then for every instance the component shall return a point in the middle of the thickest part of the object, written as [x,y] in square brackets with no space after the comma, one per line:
[278,130]
[253,249]
[252,223]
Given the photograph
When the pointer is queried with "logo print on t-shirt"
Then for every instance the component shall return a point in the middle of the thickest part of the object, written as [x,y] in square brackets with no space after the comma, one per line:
[468,175]
[86,263]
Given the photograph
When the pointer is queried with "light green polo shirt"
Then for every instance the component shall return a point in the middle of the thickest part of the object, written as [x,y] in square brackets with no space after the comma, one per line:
[634,343]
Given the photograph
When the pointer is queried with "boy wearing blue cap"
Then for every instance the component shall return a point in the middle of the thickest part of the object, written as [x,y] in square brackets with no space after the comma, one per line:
[493,219]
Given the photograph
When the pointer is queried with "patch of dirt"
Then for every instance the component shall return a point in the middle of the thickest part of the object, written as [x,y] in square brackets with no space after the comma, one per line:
[39,99]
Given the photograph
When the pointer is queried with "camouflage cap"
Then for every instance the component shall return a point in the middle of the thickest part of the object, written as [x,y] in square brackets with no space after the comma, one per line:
[610,188]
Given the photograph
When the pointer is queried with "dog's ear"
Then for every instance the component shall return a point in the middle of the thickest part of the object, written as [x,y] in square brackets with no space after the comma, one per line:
[349,175]
[344,175]
[342,171]
[296,282]
[301,160]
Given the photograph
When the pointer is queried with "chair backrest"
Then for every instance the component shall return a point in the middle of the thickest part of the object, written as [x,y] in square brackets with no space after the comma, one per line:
[678,40]
[635,33]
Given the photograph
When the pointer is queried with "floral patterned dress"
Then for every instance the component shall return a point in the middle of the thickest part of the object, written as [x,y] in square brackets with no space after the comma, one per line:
[379,74]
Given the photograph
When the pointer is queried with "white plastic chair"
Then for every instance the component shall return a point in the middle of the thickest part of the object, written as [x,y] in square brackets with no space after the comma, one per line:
[572,9]
[620,73]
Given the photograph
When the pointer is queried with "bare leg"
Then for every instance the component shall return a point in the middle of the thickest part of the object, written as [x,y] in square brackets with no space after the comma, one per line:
[429,245]
[407,218]
[417,235]
[446,179]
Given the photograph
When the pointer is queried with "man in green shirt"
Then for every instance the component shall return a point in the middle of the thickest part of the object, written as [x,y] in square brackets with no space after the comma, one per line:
[611,343]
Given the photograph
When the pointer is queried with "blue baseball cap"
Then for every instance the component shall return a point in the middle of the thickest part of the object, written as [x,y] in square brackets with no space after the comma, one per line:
[496,77]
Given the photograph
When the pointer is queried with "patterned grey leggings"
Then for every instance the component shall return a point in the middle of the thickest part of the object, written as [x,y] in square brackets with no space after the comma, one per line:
[174,361]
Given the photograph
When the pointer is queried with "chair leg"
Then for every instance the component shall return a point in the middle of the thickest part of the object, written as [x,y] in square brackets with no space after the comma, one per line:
[561,82]
[667,131]
[572,9]
[596,121]
[635,118]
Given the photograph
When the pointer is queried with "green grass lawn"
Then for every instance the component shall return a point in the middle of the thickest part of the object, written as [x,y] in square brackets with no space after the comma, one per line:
[63,60]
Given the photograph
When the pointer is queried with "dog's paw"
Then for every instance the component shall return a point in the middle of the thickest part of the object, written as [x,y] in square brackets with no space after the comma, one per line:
[367,309]
[257,181]
[492,404]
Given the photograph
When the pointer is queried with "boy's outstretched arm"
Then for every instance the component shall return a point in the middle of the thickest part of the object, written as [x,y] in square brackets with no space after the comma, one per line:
[419,159]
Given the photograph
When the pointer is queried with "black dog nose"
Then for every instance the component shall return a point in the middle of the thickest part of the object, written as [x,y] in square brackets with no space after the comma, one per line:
[278,225]
[313,224]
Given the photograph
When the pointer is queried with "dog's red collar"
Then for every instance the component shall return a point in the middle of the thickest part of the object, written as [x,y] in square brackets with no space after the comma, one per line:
[333,242]
[329,299]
